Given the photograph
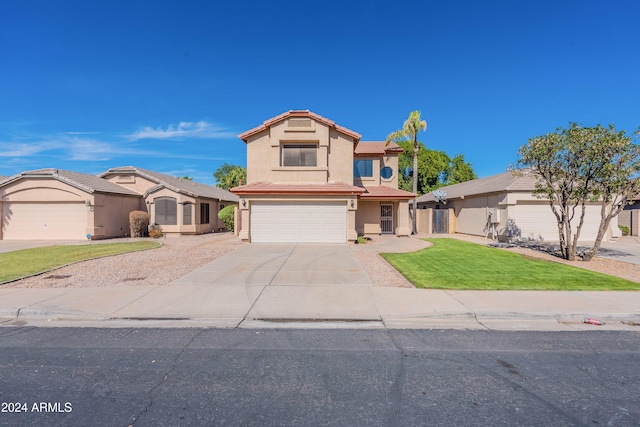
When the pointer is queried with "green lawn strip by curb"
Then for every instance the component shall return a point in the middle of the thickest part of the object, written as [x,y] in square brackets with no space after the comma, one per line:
[18,265]
[457,265]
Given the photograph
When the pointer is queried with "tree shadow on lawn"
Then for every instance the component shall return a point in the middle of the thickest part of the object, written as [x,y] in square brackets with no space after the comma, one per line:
[554,249]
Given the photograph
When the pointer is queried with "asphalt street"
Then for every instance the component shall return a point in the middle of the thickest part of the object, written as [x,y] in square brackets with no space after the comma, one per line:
[157,377]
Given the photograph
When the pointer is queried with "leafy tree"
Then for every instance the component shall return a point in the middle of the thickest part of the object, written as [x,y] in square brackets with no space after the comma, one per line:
[229,176]
[579,165]
[460,171]
[410,130]
[186,178]
[435,168]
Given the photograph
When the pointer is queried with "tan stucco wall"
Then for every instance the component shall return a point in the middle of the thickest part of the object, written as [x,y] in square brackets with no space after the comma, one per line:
[42,190]
[390,160]
[403,219]
[368,218]
[472,214]
[378,162]
[369,180]
[131,181]
[334,161]
[341,158]
[111,215]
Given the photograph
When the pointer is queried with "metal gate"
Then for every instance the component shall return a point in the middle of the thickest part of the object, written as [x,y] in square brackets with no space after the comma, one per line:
[441,221]
[386,218]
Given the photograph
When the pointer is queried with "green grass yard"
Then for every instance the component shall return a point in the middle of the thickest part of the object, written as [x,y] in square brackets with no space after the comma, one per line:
[14,265]
[454,264]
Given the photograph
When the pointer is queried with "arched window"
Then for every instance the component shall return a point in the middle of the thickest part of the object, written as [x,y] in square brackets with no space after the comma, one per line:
[166,211]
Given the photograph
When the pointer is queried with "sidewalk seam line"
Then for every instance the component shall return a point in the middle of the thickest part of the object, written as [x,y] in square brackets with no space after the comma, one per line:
[131,302]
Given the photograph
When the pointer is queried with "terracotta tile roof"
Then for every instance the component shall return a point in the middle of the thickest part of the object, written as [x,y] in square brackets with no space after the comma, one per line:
[298,113]
[376,148]
[84,182]
[184,186]
[336,188]
[2,178]
[382,192]
[506,181]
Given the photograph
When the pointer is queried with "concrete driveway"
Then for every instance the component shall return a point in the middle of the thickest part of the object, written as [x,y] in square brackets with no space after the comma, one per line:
[282,282]
[282,265]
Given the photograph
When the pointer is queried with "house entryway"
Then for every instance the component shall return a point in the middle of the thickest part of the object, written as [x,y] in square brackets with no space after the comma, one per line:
[386,219]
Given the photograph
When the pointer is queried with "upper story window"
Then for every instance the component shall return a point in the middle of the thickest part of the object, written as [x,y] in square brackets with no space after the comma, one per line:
[363,168]
[299,155]
[386,172]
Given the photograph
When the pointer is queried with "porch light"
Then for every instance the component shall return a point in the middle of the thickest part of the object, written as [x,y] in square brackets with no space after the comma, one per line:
[244,202]
[88,202]
[352,204]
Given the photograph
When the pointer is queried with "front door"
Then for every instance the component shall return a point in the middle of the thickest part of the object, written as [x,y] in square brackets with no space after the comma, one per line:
[386,218]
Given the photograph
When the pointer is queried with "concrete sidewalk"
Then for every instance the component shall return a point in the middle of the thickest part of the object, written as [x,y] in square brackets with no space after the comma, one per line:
[322,306]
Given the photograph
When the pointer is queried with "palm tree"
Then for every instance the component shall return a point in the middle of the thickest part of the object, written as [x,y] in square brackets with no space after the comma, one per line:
[409,131]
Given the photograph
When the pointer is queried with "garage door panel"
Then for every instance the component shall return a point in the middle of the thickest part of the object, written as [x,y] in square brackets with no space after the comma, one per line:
[537,221]
[44,221]
[298,222]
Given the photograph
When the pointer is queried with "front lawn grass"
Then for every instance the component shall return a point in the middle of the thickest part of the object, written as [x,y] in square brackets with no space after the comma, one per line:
[26,262]
[454,264]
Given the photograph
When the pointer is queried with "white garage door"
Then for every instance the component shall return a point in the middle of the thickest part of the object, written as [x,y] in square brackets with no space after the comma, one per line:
[299,222]
[537,221]
[44,221]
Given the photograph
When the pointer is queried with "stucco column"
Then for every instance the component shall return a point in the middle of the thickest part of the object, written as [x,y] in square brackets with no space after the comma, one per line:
[403,221]
[352,234]
[243,233]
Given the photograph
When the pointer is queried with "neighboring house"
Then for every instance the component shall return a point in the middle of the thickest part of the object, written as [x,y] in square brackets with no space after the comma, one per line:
[51,204]
[311,180]
[503,206]
[630,216]
[177,205]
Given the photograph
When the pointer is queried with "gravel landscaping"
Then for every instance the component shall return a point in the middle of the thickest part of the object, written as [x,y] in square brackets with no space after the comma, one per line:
[177,257]
[180,255]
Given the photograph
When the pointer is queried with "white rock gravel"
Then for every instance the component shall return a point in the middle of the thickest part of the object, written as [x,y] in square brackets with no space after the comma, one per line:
[380,272]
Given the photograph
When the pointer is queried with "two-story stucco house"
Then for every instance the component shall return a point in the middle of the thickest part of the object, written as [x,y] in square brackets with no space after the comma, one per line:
[311,180]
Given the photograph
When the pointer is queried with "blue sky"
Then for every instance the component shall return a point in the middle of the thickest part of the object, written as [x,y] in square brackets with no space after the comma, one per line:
[167,86]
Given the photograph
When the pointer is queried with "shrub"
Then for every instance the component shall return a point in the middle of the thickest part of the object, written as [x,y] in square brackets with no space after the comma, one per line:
[138,223]
[625,230]
[155,231]
[226,216]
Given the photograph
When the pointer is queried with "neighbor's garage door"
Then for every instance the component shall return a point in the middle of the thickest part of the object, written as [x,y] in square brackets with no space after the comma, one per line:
[537,221]
[44,221]
[298,222]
